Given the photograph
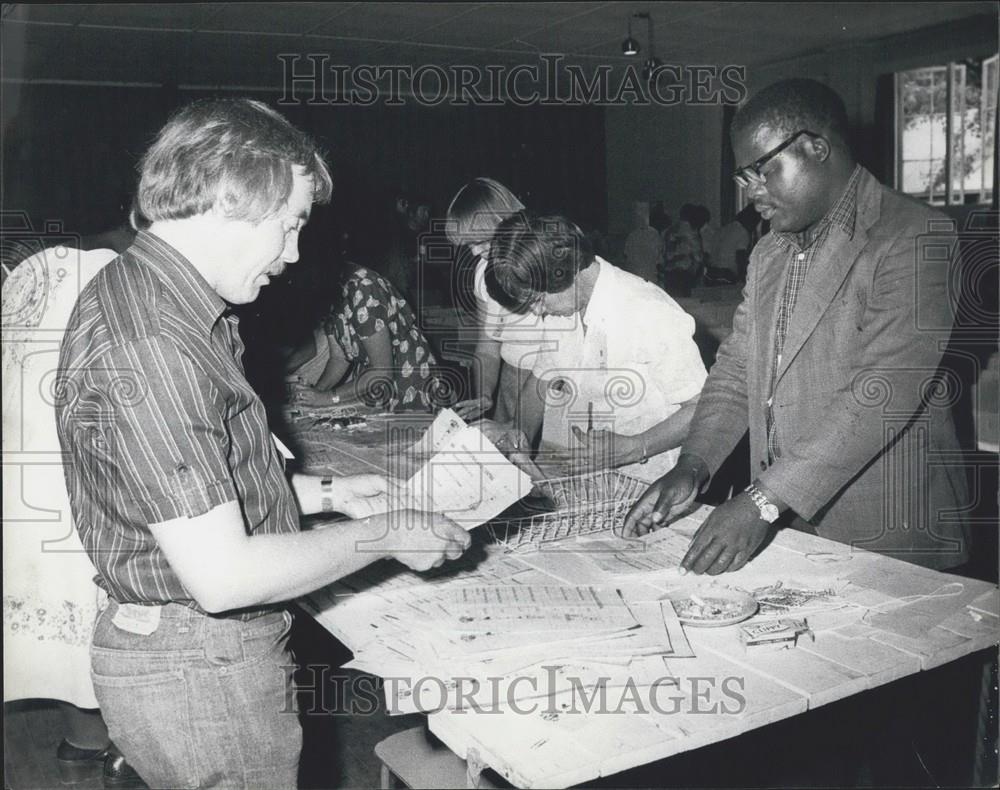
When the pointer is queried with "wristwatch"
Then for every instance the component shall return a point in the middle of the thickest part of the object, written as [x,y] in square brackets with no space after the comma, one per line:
[768,510]
[326,492]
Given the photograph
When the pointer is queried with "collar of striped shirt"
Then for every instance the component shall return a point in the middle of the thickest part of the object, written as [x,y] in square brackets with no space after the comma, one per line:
[842,215]
[181,279]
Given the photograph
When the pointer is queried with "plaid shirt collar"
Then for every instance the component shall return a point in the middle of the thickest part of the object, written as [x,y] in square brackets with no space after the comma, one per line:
[843,215]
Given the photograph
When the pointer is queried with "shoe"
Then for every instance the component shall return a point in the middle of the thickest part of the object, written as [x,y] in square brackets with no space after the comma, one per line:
[119,775]
[78,765]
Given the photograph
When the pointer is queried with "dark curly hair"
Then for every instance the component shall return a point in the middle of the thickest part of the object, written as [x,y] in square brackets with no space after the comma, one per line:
[531,255]
[794,104]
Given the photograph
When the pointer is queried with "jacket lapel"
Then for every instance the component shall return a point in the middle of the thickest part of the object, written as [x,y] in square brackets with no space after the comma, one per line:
[829,270]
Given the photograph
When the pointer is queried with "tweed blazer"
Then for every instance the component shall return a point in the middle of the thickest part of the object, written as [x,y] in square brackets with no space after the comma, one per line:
[868,450]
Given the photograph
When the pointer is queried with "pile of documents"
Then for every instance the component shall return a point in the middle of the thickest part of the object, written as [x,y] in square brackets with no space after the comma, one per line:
[504,628]
[502,638]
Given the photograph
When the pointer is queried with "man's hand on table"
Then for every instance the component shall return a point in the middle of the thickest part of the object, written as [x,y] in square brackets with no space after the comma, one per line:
[727,539]
[419,540]
[668,497]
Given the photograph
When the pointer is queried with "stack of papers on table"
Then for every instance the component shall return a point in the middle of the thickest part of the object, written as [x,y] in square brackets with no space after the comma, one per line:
[504,641]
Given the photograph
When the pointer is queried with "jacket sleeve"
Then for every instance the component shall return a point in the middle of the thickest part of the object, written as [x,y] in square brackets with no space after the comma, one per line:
[905,327]
[722,418]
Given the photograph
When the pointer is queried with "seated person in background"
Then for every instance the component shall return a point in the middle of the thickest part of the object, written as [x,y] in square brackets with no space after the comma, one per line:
[732,248]
[684,256]
[369,349]
[644,246]
[507,344]
[624,376]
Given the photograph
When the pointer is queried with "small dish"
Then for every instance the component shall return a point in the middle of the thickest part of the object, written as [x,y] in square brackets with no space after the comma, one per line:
[712,607]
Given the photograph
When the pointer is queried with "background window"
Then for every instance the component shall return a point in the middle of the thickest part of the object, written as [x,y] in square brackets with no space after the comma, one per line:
[946,131]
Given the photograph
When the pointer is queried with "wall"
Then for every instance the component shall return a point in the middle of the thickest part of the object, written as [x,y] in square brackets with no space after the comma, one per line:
[69,152]
[854,72]
[661,153]
[674,153]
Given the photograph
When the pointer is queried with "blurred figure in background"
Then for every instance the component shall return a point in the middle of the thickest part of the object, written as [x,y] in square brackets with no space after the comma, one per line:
[731,250]
[685,255]
[659,218]
[644,247]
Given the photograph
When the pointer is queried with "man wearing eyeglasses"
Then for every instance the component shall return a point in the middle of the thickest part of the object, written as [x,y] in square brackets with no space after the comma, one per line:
[833,361]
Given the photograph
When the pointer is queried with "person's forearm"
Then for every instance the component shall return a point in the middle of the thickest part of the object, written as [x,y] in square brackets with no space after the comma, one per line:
[274,568]
[308,490]
[295,358]
[669,433]
[722,415]
[370,386]
[308,493]
[336,367]
[529,412]
[488,359]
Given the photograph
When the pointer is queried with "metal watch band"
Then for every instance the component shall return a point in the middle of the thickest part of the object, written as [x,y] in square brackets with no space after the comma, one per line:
[326,490]
[768,510]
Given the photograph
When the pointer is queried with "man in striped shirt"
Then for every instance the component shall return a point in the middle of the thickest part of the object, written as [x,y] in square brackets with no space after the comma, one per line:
[176,488]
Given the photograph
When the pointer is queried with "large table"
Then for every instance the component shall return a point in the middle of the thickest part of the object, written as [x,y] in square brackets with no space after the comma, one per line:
[901,620]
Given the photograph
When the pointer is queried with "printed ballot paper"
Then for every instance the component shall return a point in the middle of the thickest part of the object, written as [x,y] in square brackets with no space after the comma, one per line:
[466,477]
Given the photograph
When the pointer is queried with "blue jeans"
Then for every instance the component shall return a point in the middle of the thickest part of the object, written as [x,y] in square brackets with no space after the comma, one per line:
[202,701]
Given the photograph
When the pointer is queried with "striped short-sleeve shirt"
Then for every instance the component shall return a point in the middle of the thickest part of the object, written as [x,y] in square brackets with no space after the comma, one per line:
[157,420]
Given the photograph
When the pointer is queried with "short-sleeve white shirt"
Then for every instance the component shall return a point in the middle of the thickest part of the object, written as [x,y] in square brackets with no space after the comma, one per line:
[631,354]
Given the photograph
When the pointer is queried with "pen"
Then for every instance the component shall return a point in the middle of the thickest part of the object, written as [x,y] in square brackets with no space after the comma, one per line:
[590,416]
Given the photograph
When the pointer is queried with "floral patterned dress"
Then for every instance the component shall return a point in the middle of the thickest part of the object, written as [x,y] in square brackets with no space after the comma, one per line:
[370,305]
[50,601]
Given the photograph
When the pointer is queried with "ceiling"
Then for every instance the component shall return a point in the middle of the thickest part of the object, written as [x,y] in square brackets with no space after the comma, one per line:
[238,44]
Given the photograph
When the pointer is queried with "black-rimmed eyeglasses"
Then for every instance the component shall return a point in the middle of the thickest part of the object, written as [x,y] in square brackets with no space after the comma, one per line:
[750,174]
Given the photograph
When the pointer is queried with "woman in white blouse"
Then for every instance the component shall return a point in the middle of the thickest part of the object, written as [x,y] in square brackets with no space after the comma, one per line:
[508,344]
[619,384]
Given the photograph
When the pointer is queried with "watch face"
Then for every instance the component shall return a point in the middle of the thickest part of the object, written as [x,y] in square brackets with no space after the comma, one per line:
[769,513]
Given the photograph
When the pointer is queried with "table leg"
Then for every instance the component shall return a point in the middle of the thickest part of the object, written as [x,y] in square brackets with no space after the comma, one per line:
[474,768]
[985,767]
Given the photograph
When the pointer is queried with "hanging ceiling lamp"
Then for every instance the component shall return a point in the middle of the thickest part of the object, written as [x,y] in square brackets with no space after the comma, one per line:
[652,62]
[630,46]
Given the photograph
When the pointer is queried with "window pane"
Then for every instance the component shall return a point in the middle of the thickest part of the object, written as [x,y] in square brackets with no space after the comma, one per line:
[926,154]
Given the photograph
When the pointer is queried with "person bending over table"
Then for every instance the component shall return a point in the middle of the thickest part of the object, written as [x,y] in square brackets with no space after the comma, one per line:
[833,362]
[175,485]
[508,344]
[374,351]
[621,381]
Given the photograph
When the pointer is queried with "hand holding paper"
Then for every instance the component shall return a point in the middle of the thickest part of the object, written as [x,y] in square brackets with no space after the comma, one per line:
[468,478]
